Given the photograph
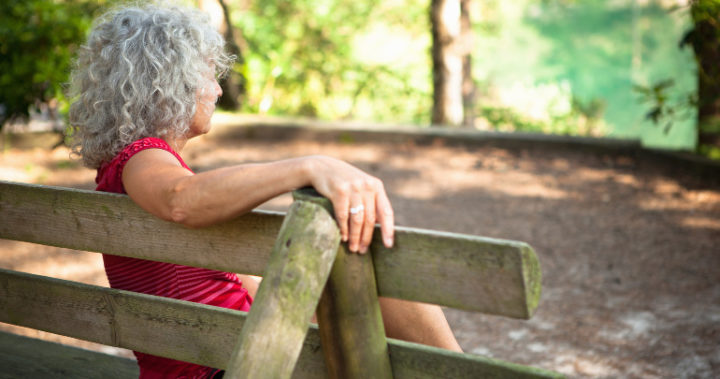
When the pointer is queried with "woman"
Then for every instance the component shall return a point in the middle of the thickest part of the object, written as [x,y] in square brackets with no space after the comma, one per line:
[144,84]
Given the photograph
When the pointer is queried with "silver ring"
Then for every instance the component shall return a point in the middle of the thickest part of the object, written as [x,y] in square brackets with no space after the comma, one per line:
[356,210]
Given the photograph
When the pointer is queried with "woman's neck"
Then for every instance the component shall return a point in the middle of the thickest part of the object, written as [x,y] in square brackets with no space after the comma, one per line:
[177,144]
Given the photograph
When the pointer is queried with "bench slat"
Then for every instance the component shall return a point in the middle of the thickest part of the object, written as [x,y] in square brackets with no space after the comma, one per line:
[273,335]
[465,272]
[23,357]
[348,314]
[199,333]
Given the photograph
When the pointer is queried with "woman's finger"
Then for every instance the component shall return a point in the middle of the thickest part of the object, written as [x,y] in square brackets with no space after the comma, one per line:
[357,216]
[369,223]
[386,218]
[341,204]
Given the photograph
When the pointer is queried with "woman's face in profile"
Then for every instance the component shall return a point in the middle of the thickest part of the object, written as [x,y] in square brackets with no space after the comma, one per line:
[206,96]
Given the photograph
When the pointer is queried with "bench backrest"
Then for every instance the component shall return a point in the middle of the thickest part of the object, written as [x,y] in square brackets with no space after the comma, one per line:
[465,272]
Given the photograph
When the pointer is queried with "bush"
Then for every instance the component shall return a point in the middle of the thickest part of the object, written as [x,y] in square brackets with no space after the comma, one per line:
[37,41]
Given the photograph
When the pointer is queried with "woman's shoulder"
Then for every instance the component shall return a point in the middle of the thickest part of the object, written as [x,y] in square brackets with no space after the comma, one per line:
[110,173]
[139,145]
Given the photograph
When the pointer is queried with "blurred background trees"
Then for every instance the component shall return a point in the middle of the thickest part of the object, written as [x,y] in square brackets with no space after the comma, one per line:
[37,41]
[337,59]
[704,38]
[452,44]
[447,59]
[587,67]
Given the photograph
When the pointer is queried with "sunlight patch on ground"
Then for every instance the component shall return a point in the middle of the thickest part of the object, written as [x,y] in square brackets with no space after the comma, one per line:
[667,186]
[630,325]
[536,347]
[593,175]
[79,266]
[84,269]
[416,189]
[660,204]
[485,352]
[443,173]
[40,166]
[627,179]
[532,190]
[516,185]
[664,204]
[279,204]
[573,363]
[702,196]
[701,222]
[639,322]
[13,174]
[517,334]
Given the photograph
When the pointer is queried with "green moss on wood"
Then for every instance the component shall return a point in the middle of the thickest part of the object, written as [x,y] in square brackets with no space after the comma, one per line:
[303,254]
[532,275]
[351,327]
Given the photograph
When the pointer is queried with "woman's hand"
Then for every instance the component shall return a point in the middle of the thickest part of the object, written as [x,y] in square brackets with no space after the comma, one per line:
[359,201]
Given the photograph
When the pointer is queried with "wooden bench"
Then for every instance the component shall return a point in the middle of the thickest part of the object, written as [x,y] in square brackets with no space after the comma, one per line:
[305,269]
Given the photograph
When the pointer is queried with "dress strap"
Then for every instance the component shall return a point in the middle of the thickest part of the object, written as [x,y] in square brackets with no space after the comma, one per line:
[143,144]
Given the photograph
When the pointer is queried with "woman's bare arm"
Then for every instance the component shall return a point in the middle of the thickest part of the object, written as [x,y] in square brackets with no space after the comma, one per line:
[156,181]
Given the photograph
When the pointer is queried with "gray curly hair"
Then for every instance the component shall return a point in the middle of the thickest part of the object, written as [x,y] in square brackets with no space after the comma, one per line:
[138,75]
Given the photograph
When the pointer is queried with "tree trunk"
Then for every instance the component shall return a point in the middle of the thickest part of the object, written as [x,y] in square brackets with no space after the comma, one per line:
[447,62]
[468,85]
[705,40]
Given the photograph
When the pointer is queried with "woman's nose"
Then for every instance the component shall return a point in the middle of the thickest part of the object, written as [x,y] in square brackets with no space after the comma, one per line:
[218,89]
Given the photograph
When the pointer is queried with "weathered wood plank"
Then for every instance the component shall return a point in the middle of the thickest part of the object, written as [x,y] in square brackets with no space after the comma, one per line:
[162,326]
[495,276]
[113,224]
[172,328]
[411,360]
[351,325]
[23,357]
[299,266]
[466,272]
[197,333]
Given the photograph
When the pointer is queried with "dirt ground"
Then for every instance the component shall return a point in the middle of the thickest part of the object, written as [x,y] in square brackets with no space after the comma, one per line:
[629,241]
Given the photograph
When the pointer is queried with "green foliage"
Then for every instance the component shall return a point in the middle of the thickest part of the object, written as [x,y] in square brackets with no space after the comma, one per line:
[584,119]
[369,60]
[310,58]
[665,110]
[37,41]
[706,11]
[709,151]
[599,49]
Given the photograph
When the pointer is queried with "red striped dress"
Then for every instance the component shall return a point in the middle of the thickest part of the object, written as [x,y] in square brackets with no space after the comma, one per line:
[199,285]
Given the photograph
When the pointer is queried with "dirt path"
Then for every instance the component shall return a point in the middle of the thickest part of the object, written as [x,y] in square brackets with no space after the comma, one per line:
[628,241]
